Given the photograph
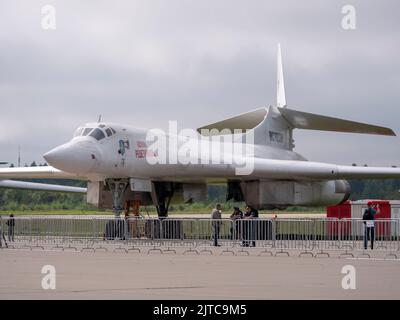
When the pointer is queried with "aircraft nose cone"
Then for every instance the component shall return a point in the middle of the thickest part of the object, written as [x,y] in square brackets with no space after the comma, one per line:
[76,157]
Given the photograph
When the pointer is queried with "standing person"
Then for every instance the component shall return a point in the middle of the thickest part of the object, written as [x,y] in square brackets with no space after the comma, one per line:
[369,217]
[11,226]
[2,237]
[236,216]
[216,215]
[253,225]
[246,227]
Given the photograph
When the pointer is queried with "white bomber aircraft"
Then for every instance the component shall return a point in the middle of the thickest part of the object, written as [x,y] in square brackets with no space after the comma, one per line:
[113,159]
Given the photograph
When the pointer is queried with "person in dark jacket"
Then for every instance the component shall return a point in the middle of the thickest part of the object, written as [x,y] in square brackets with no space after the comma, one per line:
[11,226]
[249,227]
[216,216]
[368,218]
[253,234]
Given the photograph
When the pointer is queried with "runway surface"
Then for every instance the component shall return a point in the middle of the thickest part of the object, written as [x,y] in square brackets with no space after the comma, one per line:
[107,275]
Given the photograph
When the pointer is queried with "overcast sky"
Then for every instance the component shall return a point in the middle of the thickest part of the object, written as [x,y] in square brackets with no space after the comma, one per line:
[146,62]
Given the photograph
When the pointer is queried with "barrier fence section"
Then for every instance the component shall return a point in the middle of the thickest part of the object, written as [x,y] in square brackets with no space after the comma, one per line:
[319,236]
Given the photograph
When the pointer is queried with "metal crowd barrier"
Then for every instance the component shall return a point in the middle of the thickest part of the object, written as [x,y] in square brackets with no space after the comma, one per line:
[313,237]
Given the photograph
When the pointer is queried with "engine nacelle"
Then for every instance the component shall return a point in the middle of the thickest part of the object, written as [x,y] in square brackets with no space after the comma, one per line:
[281,194]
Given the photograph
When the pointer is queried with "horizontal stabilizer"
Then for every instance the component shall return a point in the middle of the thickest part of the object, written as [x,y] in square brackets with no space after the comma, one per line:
[245,121]
[310,121]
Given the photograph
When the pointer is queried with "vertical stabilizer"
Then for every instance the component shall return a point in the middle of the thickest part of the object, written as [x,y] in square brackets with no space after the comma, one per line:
[280,93]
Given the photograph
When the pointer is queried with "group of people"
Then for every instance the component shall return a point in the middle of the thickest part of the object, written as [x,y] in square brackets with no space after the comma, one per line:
[243,228]
[10,228]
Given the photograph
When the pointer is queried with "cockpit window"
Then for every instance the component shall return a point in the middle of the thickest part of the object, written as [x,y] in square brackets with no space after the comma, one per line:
[86,131]
[78,132]
[109,132]
[97,134]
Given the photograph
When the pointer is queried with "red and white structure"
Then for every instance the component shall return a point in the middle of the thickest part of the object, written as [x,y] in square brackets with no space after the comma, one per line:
[390,209]
[387,226]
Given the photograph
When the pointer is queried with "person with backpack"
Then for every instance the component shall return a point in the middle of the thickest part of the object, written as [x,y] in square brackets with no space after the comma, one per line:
[368,218]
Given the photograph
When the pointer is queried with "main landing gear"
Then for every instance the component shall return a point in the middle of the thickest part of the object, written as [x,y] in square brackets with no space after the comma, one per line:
[162,192]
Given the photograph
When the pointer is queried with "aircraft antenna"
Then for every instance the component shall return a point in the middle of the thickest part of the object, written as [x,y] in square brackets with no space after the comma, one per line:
[19,155]
[280,94]
[99,120]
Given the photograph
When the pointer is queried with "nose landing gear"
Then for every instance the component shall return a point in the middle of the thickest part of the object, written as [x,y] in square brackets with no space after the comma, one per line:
[161,195]
[117,188]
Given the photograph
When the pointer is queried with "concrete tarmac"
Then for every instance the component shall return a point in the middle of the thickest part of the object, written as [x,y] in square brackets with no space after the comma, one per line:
[107,275]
